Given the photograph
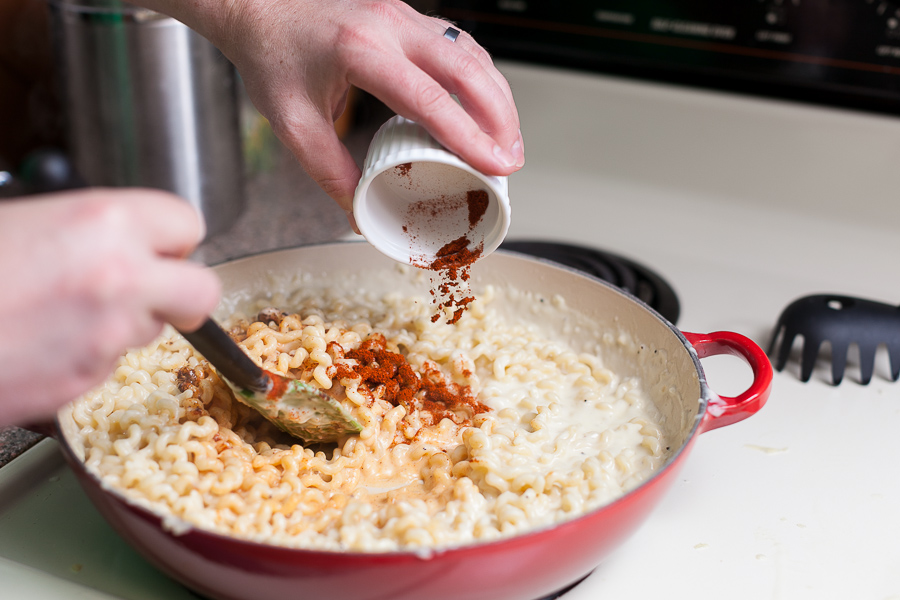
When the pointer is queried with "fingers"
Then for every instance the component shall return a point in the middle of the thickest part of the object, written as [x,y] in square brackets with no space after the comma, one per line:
[430,104]
[164,222]
[173,227]
[477,96]
[465,78]
[483,128]
[175,291]
[137,239]
[94,272]
[171,282]
[464,69]
[518,146]
[466,42]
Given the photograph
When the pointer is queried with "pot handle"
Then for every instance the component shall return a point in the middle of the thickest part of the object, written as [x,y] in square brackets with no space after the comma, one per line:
[725,410]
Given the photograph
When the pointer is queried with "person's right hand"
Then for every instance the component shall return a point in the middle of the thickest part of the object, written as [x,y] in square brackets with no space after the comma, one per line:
[86,275]
[298,59]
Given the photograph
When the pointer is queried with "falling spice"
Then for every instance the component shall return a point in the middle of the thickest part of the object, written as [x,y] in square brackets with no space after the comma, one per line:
[452,263]
[453,260]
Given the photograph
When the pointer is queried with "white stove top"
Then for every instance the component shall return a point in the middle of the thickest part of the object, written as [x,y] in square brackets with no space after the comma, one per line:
[742,205]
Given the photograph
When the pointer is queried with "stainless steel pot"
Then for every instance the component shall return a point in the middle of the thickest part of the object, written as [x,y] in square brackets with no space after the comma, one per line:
[149,102]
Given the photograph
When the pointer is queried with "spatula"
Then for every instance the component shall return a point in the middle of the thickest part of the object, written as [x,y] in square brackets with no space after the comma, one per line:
[294,406]
[841,321]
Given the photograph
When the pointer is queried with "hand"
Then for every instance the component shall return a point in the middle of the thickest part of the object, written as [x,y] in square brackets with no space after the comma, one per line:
[298,59]
[86,275]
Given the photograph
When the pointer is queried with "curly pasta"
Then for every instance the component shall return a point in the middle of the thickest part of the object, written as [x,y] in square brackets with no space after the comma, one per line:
[547,433]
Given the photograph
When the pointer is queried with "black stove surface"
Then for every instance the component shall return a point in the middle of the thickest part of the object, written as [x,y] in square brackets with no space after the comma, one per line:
[636,279]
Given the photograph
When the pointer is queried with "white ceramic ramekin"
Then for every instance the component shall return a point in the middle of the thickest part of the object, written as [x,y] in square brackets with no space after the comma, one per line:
[414,197]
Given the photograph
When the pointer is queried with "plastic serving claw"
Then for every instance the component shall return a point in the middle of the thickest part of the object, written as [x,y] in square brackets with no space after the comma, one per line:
[841,321]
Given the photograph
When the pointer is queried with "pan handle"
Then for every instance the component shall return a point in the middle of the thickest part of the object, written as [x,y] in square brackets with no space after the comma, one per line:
[725,410]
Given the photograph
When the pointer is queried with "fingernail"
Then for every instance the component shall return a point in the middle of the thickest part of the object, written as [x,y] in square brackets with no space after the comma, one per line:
[352,220]
[518,150]
[202,220]
[505,158]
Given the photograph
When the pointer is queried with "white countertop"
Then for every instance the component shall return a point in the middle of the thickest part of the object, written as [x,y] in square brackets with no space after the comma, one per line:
[743,205]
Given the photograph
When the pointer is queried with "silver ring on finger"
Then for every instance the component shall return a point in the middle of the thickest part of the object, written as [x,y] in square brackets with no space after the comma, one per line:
[452,33]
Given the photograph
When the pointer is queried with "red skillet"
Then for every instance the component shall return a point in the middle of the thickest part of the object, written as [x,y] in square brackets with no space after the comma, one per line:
[519,568]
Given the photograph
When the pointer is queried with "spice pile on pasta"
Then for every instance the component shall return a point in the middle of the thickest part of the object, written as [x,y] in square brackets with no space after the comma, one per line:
[472,431]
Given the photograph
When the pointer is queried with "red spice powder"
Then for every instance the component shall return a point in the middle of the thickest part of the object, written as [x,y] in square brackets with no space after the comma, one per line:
[378,367]
[453,260]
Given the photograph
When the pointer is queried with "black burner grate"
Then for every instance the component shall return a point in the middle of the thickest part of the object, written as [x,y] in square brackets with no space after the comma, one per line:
[621,272]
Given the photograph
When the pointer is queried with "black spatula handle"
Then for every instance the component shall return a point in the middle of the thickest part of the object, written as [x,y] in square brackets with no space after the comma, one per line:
[218,348]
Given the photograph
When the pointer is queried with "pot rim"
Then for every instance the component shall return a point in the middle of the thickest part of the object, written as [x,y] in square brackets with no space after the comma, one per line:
[525,537]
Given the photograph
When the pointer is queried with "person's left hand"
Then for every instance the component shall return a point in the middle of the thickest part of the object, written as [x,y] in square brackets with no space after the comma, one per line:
[87,274]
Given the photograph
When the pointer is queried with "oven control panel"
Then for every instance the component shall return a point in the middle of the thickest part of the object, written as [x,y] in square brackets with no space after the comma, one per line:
[841,52]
